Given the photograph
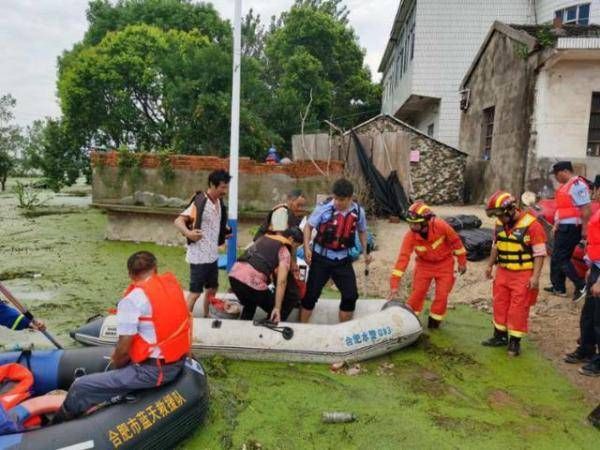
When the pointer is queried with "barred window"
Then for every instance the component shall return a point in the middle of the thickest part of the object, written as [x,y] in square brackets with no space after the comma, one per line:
[488,132]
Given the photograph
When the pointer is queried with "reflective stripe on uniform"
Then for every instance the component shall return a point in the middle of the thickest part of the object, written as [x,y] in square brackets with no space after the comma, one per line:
[516,333]
[500,327]
[438,242]
[460,251]
[397,273]
[17,322]
[436,316]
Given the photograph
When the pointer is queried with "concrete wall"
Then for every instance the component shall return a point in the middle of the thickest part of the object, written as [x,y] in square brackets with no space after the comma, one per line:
[504,80]
[260,185]
[563,103]
[428,117]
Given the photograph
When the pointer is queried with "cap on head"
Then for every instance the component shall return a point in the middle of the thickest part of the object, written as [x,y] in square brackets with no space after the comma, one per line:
[501,202]
[419,212]
[562,165]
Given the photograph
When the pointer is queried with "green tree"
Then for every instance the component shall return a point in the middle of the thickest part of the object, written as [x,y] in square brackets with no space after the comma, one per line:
[183,15]
[6,165]
[54,149]
[312,51]
[10,138]
[153,89]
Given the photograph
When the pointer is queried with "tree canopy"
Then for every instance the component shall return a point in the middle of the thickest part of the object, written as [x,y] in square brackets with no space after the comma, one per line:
[156,74]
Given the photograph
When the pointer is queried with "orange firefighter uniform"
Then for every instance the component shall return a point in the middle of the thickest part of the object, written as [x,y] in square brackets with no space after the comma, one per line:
[517,248]
[434,261]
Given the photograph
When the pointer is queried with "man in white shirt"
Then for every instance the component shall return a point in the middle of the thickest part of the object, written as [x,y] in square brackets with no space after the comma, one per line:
[204,224]
[154,328]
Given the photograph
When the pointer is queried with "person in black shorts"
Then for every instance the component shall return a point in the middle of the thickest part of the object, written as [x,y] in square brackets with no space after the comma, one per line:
[204,224]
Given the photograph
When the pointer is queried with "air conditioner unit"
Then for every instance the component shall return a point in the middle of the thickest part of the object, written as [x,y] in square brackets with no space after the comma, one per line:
[465,99]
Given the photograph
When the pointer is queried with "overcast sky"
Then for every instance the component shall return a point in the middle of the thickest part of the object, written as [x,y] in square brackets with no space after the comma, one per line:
[34,32]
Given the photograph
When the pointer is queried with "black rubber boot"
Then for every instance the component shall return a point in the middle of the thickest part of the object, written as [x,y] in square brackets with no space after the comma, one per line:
[580,355]
[499,339]
[433,324]
[514,346]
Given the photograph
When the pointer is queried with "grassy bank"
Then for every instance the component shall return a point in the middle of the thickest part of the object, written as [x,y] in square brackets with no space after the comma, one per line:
[445,392]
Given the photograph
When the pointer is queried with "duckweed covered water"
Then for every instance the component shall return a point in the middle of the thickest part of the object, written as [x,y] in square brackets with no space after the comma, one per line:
[446,392]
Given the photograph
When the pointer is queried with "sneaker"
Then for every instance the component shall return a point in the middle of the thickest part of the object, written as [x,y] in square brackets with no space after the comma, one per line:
[579,294]
[555,292]
[514,346]
[591,369]
[433,324]
[578,356]
[496,341]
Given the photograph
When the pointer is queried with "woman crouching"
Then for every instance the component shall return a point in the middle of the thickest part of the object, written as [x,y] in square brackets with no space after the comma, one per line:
[267,259]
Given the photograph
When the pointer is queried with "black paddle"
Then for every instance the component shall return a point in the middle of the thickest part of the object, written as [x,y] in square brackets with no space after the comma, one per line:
[286,332]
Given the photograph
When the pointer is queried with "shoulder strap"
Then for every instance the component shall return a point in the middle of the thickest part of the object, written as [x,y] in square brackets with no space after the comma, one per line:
[200,205]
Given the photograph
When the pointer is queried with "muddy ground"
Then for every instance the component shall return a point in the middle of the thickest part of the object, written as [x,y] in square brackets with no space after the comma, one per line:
[444,392]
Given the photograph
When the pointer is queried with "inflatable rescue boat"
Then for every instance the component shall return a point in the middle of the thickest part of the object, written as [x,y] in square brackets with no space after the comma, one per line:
[378,327]
[151,419]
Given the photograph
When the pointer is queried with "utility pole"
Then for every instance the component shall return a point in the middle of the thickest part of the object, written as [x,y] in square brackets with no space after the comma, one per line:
[234,144]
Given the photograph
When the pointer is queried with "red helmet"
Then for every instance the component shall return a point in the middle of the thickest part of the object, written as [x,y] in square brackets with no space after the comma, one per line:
[500,203]
[419,212]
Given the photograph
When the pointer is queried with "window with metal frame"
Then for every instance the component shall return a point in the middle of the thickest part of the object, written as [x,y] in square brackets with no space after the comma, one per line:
[488,132]
[576,14]
[593,147]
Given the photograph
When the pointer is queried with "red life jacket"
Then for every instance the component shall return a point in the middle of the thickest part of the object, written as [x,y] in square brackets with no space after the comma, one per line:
[170,317]
[338,233]
[16,373]
[593,237]
[565,207]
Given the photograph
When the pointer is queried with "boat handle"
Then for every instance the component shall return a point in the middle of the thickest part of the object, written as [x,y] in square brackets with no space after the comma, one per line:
[286,332]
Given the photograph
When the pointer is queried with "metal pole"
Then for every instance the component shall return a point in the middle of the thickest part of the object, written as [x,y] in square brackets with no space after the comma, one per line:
[235,134]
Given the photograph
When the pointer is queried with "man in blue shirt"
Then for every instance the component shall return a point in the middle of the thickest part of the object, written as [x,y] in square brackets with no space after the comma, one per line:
[336,221]
[570,224]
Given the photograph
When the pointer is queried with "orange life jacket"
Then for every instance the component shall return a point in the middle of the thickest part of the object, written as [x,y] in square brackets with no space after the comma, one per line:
[16,373]
[170,317]
[565,207]
[593,237]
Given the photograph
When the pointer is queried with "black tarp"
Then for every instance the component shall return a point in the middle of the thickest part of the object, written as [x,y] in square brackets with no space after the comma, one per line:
[390,198]
[477,242]
[463,222]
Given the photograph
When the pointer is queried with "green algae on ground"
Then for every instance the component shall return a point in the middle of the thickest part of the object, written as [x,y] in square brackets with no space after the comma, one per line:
[446,392]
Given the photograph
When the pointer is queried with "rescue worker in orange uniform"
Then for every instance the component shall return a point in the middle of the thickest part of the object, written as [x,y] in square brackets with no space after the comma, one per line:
[436,244]
[518,253]
[154,328]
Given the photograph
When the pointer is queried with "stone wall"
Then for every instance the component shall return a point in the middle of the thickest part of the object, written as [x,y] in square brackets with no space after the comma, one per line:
[260,185]
[505,80]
